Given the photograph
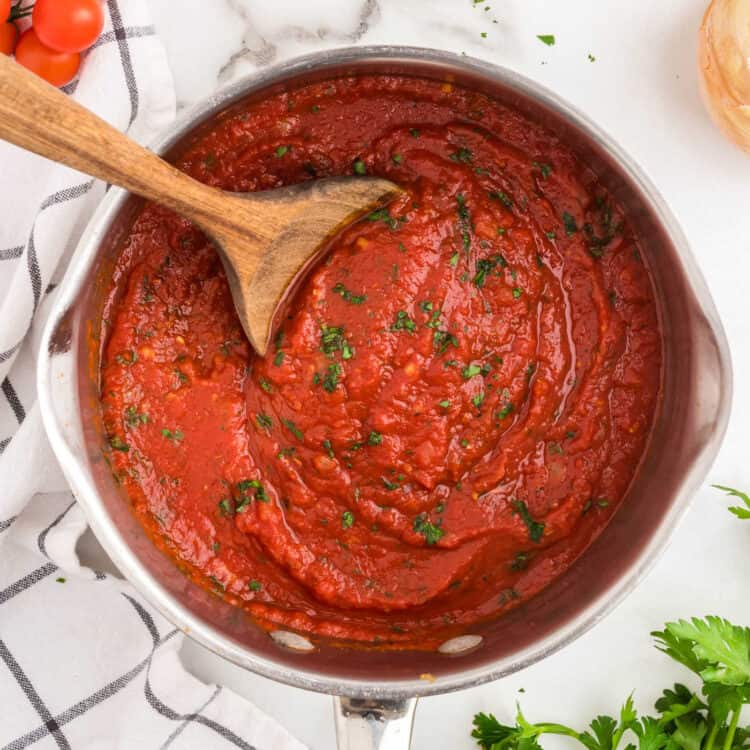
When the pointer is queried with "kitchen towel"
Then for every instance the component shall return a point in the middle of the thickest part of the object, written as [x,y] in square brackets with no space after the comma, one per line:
[84,661]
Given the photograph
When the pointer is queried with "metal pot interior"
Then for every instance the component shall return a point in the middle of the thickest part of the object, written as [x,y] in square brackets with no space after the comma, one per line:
[687,431]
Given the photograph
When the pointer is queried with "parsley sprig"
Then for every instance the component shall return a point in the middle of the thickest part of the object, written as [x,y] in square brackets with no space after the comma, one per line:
[738,510]
[713,648]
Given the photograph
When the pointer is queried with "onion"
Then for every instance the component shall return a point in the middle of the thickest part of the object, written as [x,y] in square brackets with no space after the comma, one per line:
[724,59]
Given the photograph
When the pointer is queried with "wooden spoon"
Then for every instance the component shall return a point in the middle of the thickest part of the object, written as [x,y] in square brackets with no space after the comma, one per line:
[266,240]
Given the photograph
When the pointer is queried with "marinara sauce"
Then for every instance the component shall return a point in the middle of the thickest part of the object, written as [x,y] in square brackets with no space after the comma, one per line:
[454,407]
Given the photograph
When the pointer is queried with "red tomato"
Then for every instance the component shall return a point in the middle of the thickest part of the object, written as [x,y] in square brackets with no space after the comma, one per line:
[4,10]
[68,25]
[58,68]
[8,38]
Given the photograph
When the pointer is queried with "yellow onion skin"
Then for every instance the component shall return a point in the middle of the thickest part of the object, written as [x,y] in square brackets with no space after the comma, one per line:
[724,62]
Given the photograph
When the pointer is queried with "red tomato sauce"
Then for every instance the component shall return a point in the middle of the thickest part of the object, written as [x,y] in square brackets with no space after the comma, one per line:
[454,407]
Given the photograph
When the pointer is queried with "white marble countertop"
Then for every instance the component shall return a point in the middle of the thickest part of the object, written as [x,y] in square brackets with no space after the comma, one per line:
[642,88]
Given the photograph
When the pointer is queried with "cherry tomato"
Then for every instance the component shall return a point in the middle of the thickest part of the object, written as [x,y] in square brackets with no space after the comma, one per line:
[4,10]
[68,25]
[58,68]
[8,37]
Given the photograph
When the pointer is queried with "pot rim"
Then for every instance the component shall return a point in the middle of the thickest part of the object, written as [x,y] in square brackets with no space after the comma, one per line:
[115,545]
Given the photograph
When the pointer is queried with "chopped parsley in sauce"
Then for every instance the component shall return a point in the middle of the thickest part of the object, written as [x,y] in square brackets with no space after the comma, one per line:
[404,322]
[264,421]
[535,528]
[470,371]
[569,223]
[432,534]
[349,296]
[464,221]
[293,428]
[332,341]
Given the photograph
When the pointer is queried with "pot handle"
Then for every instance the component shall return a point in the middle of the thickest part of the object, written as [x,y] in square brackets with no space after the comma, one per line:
[370,724]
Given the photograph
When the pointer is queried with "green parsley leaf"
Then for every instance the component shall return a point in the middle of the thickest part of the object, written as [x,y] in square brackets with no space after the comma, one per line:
[347,519]
[374,438]
[281,150]
[254,585]
[545,169]
[548,39]
[470,371]
[443,339]
[431,533]
[503,413]
[536,528]
[463,155]
[464,220]
[384,215]
[434,320]
[490,733]
[404,322]
[569,223]
[737,510]
[332,340]
[264,421]
[293,428]
[486,266]
[359,167]
[133,418]
[226,506]
[504,198]
[348,296]
[714,648]
[244,486]
[129,357]
[331,379]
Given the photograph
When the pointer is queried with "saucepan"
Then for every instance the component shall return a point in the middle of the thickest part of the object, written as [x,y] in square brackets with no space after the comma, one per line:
[376,691]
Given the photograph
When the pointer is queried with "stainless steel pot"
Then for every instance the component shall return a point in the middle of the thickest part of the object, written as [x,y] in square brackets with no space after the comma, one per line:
[377,691]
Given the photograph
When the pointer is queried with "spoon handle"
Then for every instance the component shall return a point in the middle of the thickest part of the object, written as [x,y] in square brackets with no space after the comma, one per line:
[39,118]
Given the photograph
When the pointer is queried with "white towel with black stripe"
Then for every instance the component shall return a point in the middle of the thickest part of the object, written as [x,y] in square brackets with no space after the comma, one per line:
[84,661]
